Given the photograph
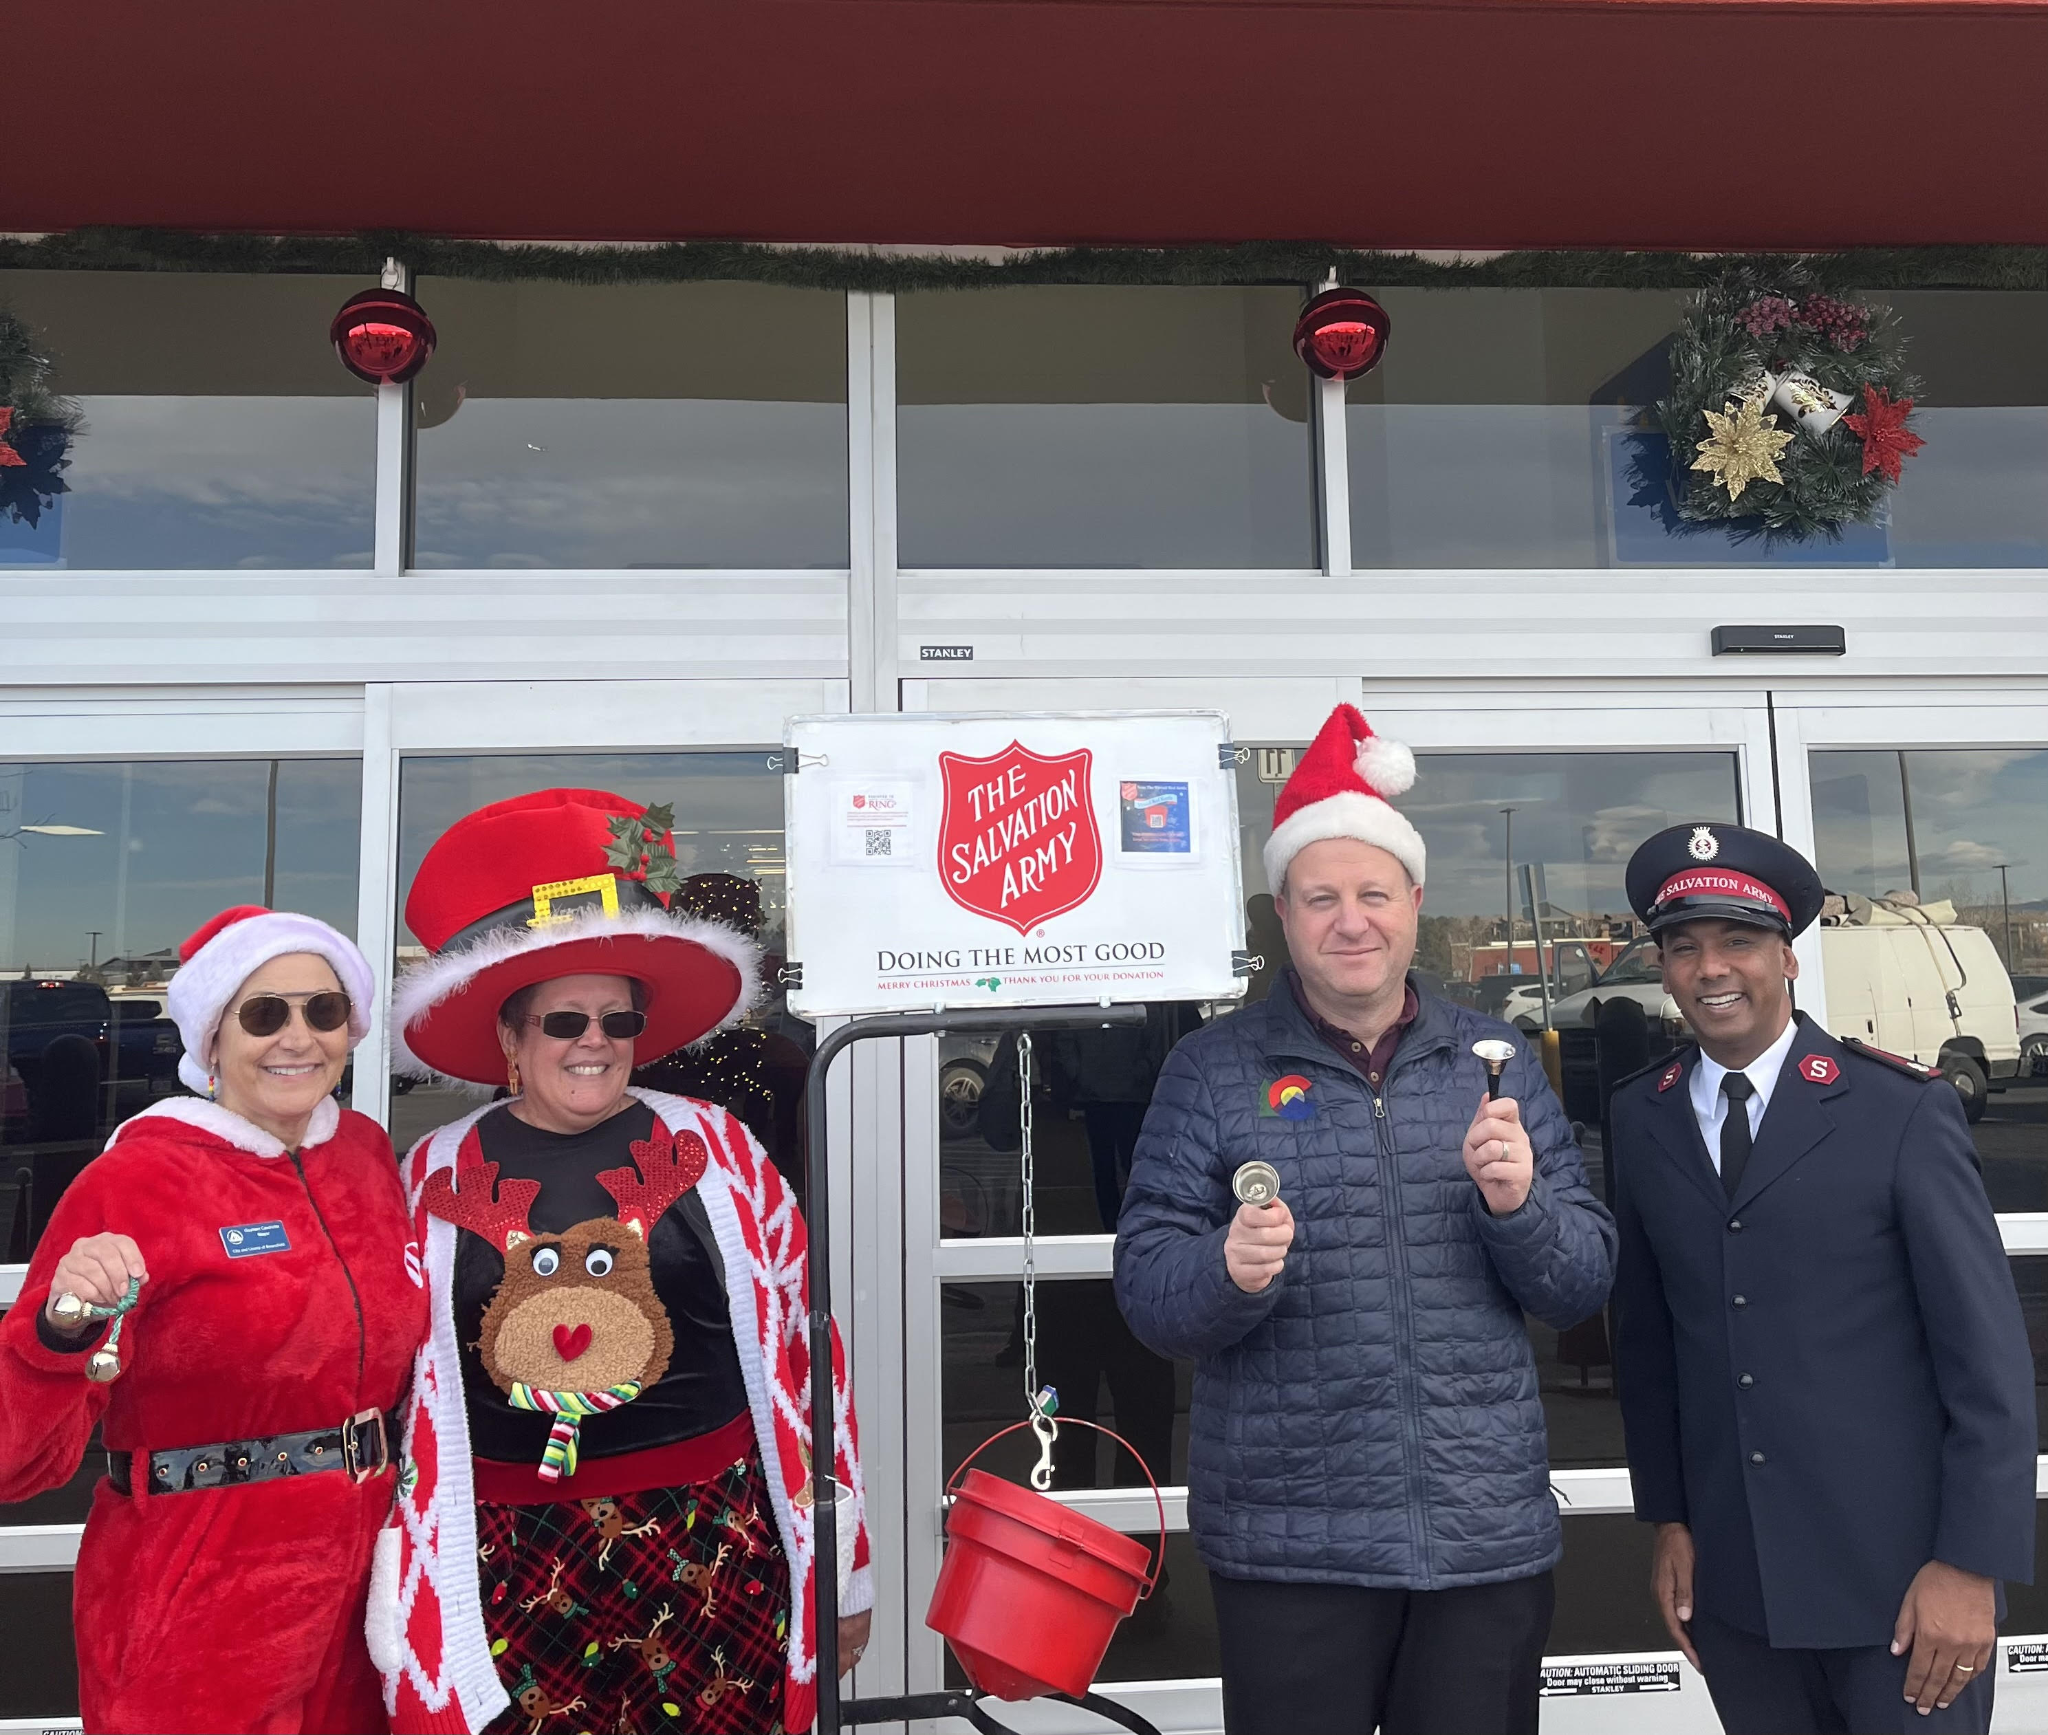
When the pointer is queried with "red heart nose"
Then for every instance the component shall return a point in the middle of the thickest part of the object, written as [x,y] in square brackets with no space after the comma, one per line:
[571,1341]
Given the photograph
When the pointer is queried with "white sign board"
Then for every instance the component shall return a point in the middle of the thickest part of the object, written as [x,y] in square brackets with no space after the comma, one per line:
[1060,859]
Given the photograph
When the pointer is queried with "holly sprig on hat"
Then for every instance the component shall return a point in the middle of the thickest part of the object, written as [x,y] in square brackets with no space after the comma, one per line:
[641,849]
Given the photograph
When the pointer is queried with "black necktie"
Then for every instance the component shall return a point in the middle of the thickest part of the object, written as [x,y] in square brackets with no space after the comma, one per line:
[1735,1130]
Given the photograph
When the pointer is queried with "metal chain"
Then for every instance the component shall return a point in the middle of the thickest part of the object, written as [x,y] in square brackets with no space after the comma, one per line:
[1030,1215]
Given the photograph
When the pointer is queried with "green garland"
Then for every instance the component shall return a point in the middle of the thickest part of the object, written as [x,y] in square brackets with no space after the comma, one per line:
[25,378]
[39,426]
[1781,321]
[1303,262]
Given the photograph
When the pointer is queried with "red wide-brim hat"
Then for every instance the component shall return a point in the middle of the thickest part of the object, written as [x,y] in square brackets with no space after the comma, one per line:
[522,892]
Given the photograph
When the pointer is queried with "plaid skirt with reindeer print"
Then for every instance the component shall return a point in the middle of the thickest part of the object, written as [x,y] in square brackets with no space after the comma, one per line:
[663,1610]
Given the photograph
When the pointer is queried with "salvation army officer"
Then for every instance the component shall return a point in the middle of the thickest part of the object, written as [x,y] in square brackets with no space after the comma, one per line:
[1825,1378]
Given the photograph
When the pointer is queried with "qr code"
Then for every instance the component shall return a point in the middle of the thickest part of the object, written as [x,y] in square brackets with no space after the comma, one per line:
[878,841]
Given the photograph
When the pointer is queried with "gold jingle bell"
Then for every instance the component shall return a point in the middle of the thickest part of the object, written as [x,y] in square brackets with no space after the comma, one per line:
[104,1367]
[69,1310]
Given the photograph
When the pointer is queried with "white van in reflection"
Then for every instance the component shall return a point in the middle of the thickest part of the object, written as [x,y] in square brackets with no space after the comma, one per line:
[1902,976]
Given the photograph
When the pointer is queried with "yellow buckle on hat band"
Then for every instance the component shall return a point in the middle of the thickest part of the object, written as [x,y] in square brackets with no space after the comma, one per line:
[605,885]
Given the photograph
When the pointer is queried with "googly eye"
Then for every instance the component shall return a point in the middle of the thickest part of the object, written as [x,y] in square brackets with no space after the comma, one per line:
[546,1261]
[598,1261]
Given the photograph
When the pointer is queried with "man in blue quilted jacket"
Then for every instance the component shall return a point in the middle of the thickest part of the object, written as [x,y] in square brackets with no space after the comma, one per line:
[1368,1470]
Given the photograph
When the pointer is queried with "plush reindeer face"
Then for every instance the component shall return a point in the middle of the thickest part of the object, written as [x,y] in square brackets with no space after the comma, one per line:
[575,1311]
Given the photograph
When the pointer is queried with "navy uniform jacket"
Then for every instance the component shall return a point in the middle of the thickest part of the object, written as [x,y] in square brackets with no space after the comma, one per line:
[1827,1378]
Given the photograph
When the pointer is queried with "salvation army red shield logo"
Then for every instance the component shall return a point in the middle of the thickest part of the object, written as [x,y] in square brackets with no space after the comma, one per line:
[1018,841]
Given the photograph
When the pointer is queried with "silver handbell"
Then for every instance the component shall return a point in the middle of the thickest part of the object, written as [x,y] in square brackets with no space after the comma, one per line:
[1495,1054]
[1256,1183]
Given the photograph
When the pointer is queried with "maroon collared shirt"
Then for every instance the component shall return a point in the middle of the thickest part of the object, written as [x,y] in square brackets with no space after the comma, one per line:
[1374,1061]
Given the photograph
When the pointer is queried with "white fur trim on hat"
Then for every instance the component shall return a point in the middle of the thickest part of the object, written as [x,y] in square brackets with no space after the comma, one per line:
[201,989]
[1345,814]
[439,978]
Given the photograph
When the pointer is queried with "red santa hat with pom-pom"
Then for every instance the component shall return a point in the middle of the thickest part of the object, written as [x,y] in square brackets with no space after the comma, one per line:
[1340,789]
[227,951]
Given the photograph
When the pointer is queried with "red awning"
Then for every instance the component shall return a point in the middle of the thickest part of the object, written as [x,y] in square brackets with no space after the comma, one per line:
[1474,123]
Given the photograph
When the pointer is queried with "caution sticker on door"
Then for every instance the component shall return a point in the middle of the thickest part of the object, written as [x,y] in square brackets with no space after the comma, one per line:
[2028,1658]
[1599,1680]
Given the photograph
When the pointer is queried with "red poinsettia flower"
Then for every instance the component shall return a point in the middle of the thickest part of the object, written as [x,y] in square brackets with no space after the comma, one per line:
[8,455]
[1882,426]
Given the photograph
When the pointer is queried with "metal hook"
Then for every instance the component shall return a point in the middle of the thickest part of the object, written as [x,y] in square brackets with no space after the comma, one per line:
[1043,1409]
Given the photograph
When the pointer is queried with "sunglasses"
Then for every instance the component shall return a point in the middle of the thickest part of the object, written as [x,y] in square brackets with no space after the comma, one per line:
[567,1026]
[267,1014]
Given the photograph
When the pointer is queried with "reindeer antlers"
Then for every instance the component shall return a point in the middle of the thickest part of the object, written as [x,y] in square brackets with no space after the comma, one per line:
[669,1168]
[500,1217]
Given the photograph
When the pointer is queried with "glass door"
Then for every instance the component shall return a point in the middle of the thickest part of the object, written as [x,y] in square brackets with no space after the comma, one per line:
[1926,812]
[1564,785]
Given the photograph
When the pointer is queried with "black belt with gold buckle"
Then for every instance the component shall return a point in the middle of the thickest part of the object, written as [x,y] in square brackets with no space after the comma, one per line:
[361,1446]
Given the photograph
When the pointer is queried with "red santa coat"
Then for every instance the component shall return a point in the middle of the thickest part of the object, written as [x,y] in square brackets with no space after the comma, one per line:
[236,1608]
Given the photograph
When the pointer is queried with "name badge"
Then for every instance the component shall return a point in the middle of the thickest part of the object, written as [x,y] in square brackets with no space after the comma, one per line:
[245,1240]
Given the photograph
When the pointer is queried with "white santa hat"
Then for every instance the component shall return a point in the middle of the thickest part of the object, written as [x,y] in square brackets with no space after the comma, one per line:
[1340,789]
[231,948]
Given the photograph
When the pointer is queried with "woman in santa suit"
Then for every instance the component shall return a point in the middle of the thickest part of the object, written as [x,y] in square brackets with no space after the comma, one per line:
[609,1526]
[246,1407]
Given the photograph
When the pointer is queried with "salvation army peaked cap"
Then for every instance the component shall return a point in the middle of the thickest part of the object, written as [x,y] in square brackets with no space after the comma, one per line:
[1724,872]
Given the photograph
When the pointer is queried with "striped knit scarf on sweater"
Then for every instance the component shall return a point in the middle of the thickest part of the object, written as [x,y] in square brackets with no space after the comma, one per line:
[568,1409]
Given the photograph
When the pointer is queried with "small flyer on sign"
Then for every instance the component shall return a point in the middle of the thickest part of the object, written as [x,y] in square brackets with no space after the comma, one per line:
[872,824]
[1158,819]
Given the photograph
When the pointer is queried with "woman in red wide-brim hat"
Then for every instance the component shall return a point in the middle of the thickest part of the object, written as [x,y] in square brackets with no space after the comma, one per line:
[607,1513]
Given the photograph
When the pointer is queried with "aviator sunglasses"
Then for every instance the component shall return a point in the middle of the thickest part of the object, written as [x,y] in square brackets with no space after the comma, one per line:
[267,1014]
[567,1026]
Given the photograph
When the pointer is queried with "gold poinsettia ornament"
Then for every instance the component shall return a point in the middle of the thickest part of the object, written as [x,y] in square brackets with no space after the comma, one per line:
[1741,447]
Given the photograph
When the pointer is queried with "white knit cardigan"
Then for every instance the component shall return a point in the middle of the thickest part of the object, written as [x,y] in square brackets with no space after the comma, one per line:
[425,1622]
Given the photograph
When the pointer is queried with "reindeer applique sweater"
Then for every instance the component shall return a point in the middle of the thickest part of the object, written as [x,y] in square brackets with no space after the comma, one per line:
[702,1389]
[425,1618]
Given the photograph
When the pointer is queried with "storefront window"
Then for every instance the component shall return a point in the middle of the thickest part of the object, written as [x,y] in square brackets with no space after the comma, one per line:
[218,428]
[105,868]
[39,1667]
[632,425]
[1099,427]
[2030,1275]
[1938,944]
[728,838]
[1504,430]
[1102,1373]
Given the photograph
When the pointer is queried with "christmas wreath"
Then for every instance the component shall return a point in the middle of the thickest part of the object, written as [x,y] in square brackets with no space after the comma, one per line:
[36,427]
[1788,407]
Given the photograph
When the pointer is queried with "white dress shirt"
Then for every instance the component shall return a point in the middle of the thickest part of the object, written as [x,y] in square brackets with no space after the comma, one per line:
[1709,1106]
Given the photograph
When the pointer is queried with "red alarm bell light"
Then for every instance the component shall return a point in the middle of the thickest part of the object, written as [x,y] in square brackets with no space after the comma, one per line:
[383,336]
[1342,334]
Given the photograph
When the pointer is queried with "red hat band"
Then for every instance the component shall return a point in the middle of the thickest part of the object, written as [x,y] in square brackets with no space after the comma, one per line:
[1721,884]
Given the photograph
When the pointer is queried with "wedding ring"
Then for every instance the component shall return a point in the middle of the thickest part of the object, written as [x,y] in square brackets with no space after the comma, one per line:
[1966,1668]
